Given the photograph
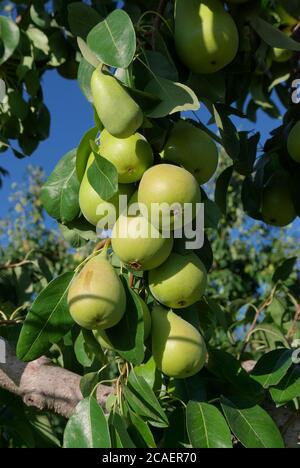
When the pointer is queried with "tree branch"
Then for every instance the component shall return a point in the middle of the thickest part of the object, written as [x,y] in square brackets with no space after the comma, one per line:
[43,385]
[9,266]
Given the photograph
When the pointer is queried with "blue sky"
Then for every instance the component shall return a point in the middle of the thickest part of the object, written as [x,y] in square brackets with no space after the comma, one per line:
[71,116]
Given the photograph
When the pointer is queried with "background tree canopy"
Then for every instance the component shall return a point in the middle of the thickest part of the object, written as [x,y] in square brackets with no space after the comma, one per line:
[249,316]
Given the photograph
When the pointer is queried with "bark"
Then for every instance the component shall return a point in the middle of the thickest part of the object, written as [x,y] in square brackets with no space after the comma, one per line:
[44,386]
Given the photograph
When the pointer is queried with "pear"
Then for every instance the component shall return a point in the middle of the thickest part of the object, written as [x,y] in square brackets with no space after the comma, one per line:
[180,282]
[206,36]
[131,156]
[96,297]
[138,244]
[277,207]
[293,143]
[118,112]
[178,348]
[192,148]
[103,339]
[90,201]
[170,187]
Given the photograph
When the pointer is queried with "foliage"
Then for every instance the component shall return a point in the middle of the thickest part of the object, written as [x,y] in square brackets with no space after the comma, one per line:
[251,308]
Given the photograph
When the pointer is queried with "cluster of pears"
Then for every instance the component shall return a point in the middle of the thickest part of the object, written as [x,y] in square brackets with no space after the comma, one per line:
[97,298]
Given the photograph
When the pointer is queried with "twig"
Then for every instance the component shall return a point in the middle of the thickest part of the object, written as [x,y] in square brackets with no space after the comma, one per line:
[293,327]
[102,244]
[161,8]
[131,280]
[9,266]
[9,322]
[258,310]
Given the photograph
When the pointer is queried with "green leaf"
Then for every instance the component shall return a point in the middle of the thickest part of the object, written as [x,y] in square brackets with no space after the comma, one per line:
[84,151]
[10,36]
[103,177]
[43,425]
[288,388]
[212,214]
[251,198]
[192,388]
[222,186]
[119,433]
[47,321]
[78,232]
[40,43]
[206,426]
[60,193]
[175,436]
[85,71]
[248,153]
[83,356]
[228,132]
[113,41]
[251,425]
[284,271]
[276,309]
[140,432]
[148,371]
[273,36]
[160,65]
[272,367]
[127,337]
[139,386]
[87,428]
[82,18]
[273,334]
[39,16]
[88,383]
[224,365]
[87,53]
[93,345]
[175,97]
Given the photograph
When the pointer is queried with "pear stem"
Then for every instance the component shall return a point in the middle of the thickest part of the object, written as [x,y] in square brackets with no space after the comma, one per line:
[101,249]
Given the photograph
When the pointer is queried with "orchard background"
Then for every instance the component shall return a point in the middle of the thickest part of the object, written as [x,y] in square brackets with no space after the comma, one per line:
[248,392]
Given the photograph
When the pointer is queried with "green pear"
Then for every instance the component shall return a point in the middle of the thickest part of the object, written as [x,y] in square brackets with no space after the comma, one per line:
[293,143]
[206,36]
[116,109]
[131,156]
[277,206]
[90,201]
[103,339]
[178,348]
[96,297]
[192,148]
[179,282]
[170,187]
[138,244]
